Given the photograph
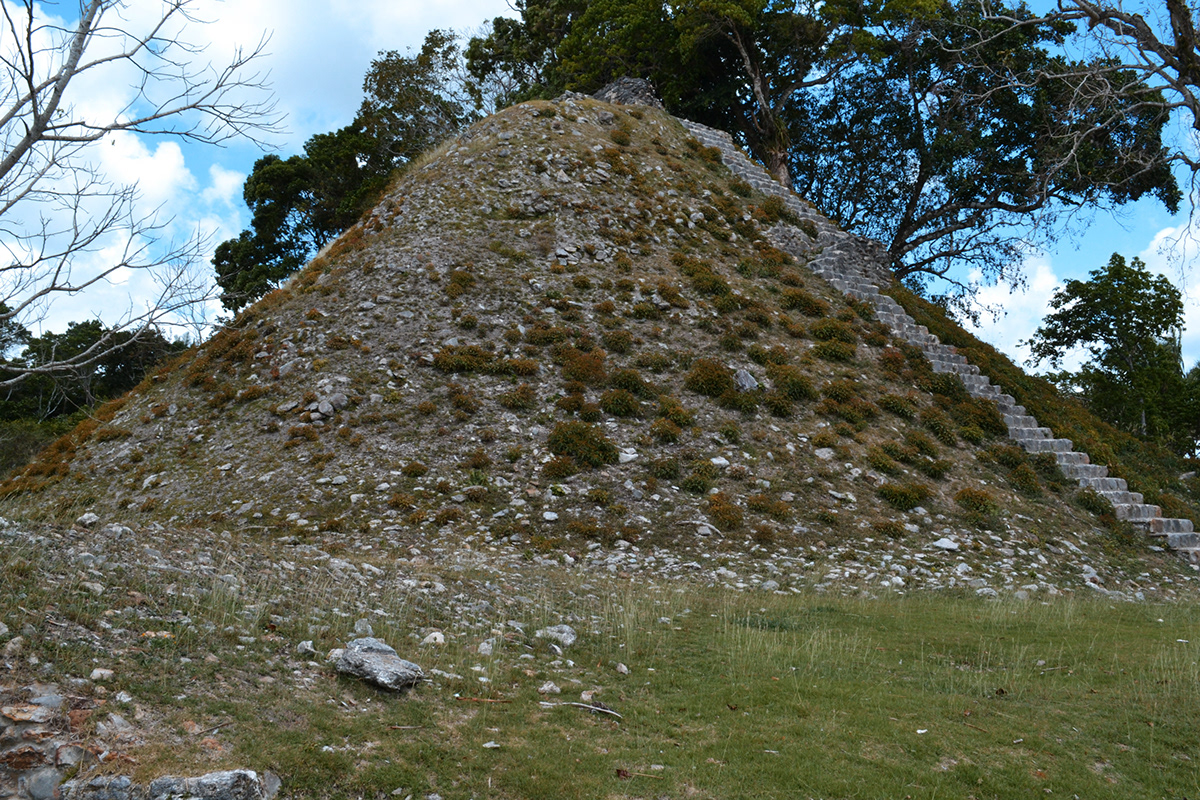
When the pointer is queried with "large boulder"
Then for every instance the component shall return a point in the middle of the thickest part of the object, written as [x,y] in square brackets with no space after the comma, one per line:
[375,662]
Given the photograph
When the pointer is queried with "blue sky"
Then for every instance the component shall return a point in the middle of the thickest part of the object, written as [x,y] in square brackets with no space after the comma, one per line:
[317,55]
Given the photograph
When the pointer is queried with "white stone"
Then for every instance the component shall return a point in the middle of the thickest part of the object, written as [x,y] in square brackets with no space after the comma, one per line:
[625,458]
[435,638]
[549,516]
[824,453]
[719,461]
[88,520]
[101,674]
[946,544]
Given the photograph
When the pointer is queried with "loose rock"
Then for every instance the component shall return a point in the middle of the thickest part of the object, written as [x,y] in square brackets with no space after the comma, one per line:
[375,662]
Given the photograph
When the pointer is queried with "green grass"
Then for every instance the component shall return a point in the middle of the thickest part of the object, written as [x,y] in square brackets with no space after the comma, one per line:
[727,695]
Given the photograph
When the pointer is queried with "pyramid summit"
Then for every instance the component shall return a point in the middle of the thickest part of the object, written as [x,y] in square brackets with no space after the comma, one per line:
[580,322]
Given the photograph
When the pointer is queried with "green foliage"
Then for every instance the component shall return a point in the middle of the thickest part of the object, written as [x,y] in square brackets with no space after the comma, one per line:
[900,406]
[301,203]
[1129,322]
[904,496]
[839,352]
[666,469]
[710,378]
[620,403]
[1025,480]
[807,304]
[83,380]
[791,382]
[583,442]
[939,425]
[977,501]
[983,172]
[1148,468]
[833,330]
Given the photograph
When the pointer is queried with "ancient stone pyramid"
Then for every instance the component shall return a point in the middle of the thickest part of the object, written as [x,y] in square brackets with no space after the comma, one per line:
[576,320]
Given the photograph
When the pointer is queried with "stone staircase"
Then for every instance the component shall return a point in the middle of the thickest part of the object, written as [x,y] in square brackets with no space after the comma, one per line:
[859,266]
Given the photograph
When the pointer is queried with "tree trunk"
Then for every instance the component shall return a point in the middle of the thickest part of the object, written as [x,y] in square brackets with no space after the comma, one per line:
[777,165]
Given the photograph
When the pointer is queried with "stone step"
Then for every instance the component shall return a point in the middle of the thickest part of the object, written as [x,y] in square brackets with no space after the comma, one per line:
[1048,446]
[1123,498]
[1166,526]
[949,366]
[1023,434]
[1139,514]
[1081,471]
[831,264]
[1103,483]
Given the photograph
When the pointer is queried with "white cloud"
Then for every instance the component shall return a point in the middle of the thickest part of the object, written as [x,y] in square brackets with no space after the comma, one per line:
[160,174]
[1023,310]
[1168,252]
[225,186]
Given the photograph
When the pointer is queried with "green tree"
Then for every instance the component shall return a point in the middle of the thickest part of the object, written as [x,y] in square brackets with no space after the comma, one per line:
[891,118]
[1128,322]
[300,204]
[954,154]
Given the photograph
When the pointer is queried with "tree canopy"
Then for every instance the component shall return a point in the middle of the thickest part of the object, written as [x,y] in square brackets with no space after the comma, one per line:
[1128,322]
[929,126]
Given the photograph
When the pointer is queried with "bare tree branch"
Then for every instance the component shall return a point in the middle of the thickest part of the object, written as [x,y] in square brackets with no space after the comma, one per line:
[65,229]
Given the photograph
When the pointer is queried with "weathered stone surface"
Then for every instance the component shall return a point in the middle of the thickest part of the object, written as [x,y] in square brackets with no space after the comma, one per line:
[745,381]
[241,784]
[376,662]
[27,712]
[563,634]
[630,92]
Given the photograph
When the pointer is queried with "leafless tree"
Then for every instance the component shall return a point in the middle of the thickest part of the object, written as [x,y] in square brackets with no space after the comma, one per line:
[65,228]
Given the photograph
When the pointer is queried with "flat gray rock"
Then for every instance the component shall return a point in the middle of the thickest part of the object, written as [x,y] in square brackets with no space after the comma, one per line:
[238,784]
[745,381]
[375,662]
[563,634]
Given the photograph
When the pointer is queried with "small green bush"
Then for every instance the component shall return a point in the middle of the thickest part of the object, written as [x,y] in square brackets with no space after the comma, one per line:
[977,501]
[839,352]
[947,384]
[833,330]
[778,403]
[521,398]
[414,469]
[881,461]
[920,441]
[890,529]
[631,381]
[904,496]
[710,378]
[560,468]
[582,442]
[672,409]
[1025,480]
[724,512]
[665,469]
[1090,500]
[618,341]
[807,304]
[935,468]
[695,484]
[900,406]
[791,382]
[665,430]
[620,403]
[940,426]
[1009,456]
